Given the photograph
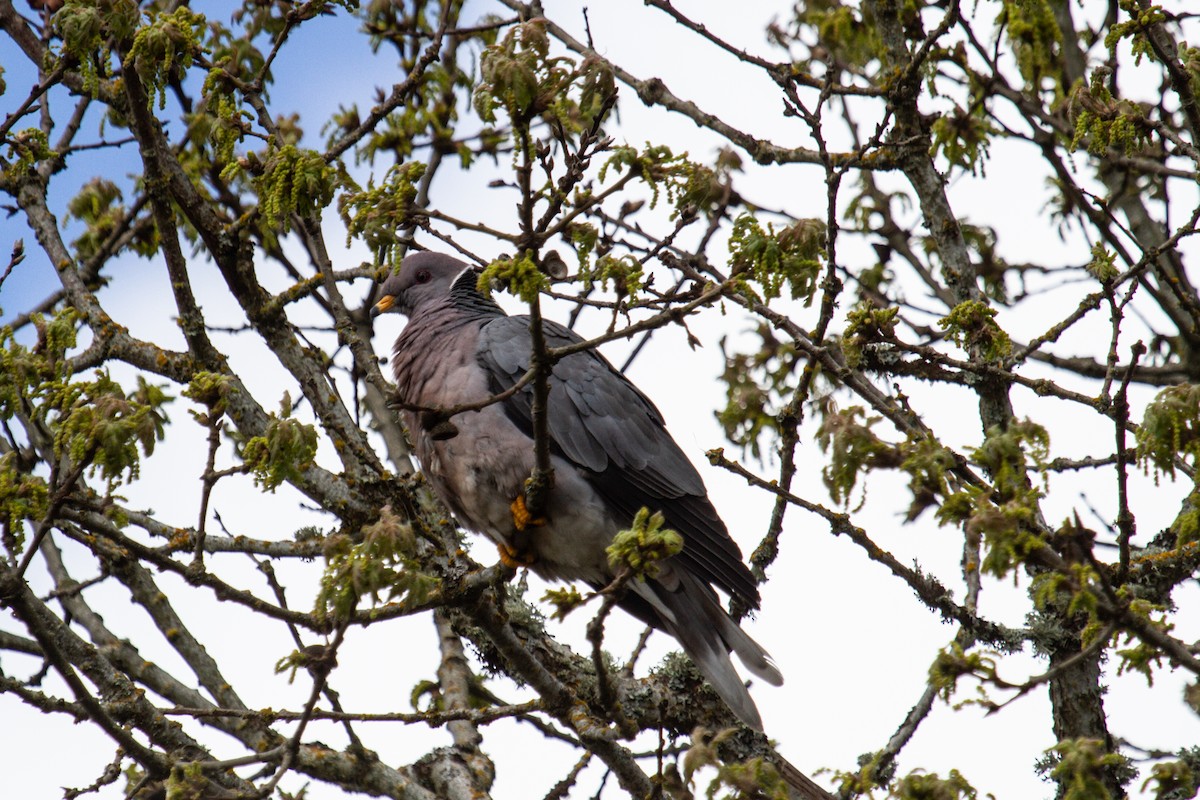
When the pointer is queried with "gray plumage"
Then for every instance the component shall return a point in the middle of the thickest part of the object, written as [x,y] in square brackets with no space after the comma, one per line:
[610,452]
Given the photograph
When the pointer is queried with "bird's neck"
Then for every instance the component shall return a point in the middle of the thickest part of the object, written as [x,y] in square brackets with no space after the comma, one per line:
[466,298]
[431,346]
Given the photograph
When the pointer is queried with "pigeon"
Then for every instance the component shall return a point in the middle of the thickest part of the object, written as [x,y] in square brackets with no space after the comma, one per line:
[610,452]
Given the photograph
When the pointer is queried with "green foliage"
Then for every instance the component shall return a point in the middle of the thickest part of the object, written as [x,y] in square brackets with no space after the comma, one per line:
[1074,593]
[1007,454]
[962,138]
[1006,518]
[88,29]
[23,367]
[953,662]
[685,183]
[376,213]
[519,75]
[188,782]
[1134,29]
[22,496]
[1036,42]
[703,751]
[1007,528]
[753,779]
[990,268]
[98,424]
[430,689]
[644,544]
[404,129]
[753,381]
[520,276]
[919,785]
[583,237]
[1103,122]
[597,89]
[293,181]
[564,601]
[284,450]
[164,48]
[24,372]
[221,118]
[381,565]
[875,279]
[1080,768]
[853,448]
[1170,429]
[1190,57]
[1187,525]
[235,54]
[869,205]
[972,326]
[846,31]
[1103,267]
[862,782]
[773,259]
[1174,780]
[867,324]
[210,389]
[701,191]
[314,658]
[428,114]
[98,205]
[25,150]
[1138,655]
[626,274]
[928,463]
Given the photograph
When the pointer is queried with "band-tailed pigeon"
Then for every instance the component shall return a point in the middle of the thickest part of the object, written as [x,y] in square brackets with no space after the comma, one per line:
[610,453]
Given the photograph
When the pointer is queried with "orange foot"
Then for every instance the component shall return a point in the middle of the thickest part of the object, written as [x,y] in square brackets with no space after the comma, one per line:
[522,519]
[513,558]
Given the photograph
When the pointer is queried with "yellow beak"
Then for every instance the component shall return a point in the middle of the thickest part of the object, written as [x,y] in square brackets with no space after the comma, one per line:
[385,302]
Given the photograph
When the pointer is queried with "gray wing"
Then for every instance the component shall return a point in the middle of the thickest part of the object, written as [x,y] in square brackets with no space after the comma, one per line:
[600,422]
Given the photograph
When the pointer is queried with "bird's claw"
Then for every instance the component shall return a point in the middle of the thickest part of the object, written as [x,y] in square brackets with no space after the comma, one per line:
[522,519]
[514,558]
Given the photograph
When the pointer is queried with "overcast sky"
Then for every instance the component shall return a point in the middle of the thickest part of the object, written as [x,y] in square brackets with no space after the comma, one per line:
[853,643]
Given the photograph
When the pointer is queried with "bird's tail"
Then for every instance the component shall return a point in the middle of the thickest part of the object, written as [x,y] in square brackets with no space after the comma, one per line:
[692,614]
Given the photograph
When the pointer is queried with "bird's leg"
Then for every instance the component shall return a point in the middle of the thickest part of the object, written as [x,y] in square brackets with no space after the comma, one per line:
[522,519]
[513,558]
[439,427]
[519,554]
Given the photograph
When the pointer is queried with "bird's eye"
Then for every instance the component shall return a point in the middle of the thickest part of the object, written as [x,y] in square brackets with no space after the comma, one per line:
[423,276]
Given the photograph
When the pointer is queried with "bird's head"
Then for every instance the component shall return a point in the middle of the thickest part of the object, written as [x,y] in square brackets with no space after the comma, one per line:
[422,280]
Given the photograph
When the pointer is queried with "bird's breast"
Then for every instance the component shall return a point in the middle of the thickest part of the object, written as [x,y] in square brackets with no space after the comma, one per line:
[478,465]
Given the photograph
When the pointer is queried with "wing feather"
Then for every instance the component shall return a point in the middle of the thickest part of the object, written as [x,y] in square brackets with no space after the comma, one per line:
[600,422]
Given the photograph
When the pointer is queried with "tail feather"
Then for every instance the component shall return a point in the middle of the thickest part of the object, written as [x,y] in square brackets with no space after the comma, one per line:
[749,652]
[691,613]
